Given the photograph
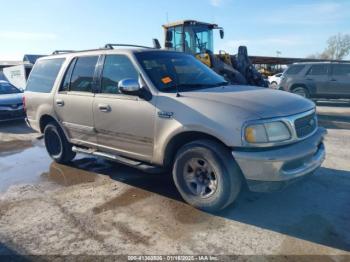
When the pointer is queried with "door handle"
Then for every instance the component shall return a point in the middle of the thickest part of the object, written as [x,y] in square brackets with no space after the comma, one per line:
[59,102]
[104,108]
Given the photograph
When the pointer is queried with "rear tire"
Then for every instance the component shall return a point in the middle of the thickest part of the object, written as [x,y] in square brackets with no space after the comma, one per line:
[206,175]
[57,144]
[301,91]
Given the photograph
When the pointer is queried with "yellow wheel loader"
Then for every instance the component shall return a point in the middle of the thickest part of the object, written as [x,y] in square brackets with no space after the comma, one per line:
[196,38]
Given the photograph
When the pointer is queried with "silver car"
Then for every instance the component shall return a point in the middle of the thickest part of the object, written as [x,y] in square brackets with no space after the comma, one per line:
[161,110]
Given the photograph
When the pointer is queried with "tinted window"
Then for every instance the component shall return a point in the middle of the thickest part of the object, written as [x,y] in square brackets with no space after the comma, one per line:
[83,74]
[318,70]
[341,70]
[116,68]
[43,75]
[66,81]
[294,69]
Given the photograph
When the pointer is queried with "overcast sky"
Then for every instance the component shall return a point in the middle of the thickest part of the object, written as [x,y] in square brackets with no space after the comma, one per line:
[296,28]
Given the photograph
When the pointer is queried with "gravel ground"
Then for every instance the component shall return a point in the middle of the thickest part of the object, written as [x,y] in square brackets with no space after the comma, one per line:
[97,207]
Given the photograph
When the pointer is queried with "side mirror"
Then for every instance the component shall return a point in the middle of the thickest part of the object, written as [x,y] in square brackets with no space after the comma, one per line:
[168,36]
[168,45]
[222,33]
[129,86]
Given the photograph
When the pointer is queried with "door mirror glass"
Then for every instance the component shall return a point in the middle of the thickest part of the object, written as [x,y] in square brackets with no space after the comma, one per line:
[222,33]
[169,36]
[129,86]
[168,45]
[168,39]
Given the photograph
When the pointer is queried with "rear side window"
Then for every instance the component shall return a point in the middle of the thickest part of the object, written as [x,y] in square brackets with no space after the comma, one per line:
[66,81]
[341,70]
[294,69]
[116,68]
[317,70]
[83,74]
[44,74]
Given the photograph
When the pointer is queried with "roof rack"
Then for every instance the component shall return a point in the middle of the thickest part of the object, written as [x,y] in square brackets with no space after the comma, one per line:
[56,52]
[110,46]
[107,46]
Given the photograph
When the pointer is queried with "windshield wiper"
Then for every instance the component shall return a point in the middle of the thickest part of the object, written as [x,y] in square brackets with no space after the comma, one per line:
[178,86]
[206,85]
[193,86]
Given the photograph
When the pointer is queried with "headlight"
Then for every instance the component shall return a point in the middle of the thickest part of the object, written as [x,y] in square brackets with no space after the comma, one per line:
[267,132]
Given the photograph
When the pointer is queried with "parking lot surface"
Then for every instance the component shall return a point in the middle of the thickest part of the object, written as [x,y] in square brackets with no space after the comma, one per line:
[96,207]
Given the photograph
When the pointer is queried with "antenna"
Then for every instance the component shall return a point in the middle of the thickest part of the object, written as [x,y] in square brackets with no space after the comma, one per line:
[177,86]
[177,91]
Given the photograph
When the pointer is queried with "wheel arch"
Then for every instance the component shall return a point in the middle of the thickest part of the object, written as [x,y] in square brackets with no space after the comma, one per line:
[308,88]
[45,119]
[180,139]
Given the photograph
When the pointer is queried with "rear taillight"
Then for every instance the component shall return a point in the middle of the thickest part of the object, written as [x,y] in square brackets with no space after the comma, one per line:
[24,102]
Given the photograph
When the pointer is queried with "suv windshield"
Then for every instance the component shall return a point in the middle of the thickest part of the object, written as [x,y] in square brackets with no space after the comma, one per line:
[7,88]
[171,70]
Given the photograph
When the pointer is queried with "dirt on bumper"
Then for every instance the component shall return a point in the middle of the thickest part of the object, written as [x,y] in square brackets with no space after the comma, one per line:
[273,169]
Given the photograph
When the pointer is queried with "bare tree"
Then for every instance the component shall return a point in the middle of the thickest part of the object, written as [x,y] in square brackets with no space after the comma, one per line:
[314,56]
[338,48]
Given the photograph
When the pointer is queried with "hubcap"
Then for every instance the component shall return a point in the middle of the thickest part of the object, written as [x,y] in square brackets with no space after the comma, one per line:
[300,92]
[200,177]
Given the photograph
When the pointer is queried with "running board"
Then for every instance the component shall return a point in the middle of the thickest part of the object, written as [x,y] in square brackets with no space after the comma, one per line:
[123,160]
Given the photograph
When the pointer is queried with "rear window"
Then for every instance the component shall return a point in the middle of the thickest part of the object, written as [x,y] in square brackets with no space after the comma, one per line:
[341,70]
[43,75]
[318,70]
[294,69]
[83,74]
[7,88]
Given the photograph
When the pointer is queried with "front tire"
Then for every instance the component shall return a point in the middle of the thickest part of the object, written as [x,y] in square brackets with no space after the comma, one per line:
[206,175]
[57,144]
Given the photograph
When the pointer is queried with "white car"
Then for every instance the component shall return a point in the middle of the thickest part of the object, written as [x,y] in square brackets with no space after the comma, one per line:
[274,80]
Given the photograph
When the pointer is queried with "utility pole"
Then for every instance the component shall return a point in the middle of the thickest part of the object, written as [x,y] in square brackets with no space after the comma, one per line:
[278,53]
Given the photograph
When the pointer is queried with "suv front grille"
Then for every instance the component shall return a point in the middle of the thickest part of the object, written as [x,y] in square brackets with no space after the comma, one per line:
[305,125]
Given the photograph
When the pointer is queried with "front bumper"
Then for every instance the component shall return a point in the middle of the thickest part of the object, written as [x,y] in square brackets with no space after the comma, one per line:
[273,169]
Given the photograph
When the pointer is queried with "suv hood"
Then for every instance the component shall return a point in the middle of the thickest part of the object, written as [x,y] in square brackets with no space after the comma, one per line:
[263,102]
[10,99]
